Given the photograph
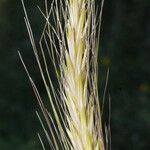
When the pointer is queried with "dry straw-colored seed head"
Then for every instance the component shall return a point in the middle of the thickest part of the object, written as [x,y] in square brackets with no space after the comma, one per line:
[75,121]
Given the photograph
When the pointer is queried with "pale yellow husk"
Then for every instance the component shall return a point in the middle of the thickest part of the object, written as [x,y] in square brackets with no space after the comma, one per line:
[82,129]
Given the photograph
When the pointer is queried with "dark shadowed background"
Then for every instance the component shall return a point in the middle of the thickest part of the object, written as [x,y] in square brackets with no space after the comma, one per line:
[124,48]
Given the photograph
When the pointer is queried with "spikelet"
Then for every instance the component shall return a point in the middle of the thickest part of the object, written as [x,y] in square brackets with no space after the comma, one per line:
[75,121]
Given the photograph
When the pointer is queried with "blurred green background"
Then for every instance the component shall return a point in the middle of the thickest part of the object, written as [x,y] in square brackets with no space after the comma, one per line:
[124,48]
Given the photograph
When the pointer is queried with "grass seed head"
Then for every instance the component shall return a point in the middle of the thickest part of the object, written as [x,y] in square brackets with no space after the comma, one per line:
[76,109]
